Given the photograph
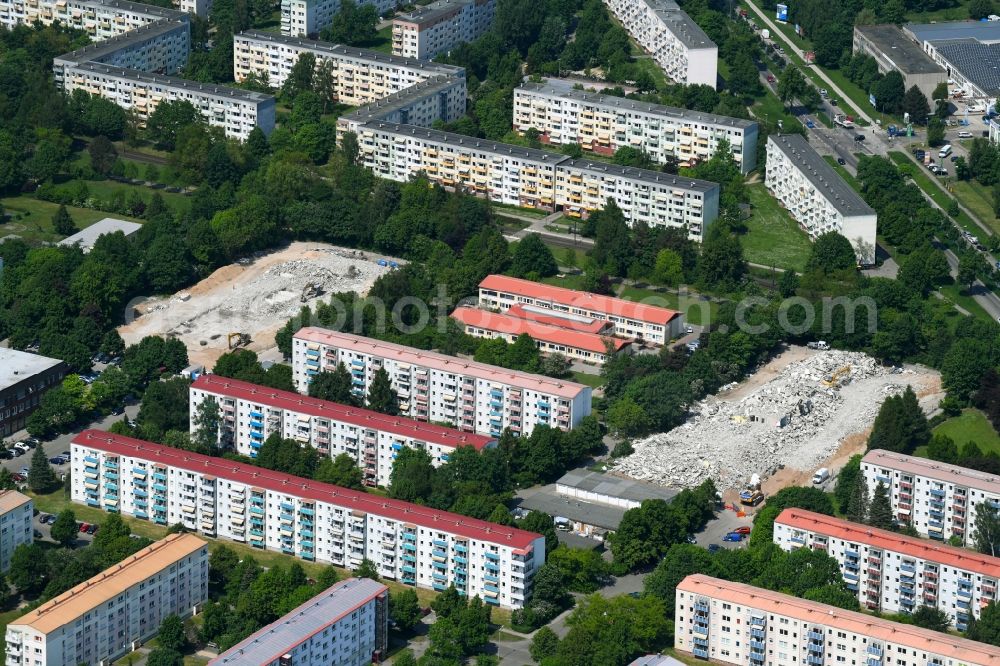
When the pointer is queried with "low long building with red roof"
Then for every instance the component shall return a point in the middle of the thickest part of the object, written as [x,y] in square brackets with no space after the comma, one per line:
[574,344]
[639,321]
[734,623]
[319,522]
[894,573]
[250,413]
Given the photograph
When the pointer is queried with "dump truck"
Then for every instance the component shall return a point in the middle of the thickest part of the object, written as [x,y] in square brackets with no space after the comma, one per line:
[752,495]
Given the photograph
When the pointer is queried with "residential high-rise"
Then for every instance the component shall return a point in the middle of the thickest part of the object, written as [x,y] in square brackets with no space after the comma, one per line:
[316,521]
[438,27]
[114,612]
[305,18]
[16,512]
[435,387]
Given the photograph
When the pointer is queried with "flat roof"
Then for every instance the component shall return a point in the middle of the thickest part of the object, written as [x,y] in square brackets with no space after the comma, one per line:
[403,98]
[558,318]
[463,141]
[960,558]
[287,632]
[680,24]
[603,169]
[822,176]
[510,325]
[112,45]
[175,82]
[924,640]
[625,104]
[932,469]
[615,486]
[11,499]
[983,31]
[549,501]
[363,418]
[899,49]
[442,362]
[581,299]
[351,52]
[977,62]
[16,366]
[657,660]
[432,12]
[109,225]
[110,583]
[298,486]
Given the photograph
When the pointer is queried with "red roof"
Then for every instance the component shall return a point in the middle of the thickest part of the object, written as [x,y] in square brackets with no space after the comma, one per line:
[550,317]
[298,486]
[960,558]
[364,418]
[607,305]
[504,323]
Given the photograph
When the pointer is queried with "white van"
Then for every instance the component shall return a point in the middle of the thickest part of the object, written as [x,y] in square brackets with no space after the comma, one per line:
[945,151]
[965,134]
[821,475]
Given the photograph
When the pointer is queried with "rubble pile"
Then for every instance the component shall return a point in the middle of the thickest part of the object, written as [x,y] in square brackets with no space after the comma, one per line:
[797,419]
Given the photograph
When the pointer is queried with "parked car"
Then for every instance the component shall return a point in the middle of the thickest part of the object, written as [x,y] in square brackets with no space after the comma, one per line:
[92,529]
[691,539]
[690,329]
[18,478]
[57,460]
[714,547]
[67,455]
[6,454]
[770,78]
[733,536]
[38,535]
[83,527]
[742,529]
[833,102]
[24,472]
[49,519]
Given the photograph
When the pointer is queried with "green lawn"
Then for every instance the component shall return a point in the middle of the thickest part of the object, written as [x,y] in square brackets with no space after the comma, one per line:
[979,200]
[517,210]
[957,295]
[971,425]
[773,238]
[588,379]
[383,42]
[960,12]
[103,189]
[649,65]
[770,109]
[31,218]
[696,311]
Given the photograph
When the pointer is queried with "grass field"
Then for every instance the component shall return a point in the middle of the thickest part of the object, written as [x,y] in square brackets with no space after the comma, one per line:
[979,200]
[956,294]
[103,189]
[588,379]
[770,109]
[31,218]
[773,238]
[383,42]
[649,65]
[971,426]
[517,210]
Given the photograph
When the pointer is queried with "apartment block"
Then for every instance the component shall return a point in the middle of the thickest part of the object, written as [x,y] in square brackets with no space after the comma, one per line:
[101,19]
[605,123]
[200,8]
[437,98]
[347,625]
[893,573]
[24,379]
[114,612]
[939,500]
[549,338]
[628,319]
[305,18]
[474,397]
[250,414]
[438,27]
[530,178]
[671,37]
[16,513]
[733,623]
[296,516]
[816,196]
[160,48]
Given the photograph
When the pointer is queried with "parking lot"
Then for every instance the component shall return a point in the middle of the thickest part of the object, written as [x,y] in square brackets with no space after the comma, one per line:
[724,522]
[43,530]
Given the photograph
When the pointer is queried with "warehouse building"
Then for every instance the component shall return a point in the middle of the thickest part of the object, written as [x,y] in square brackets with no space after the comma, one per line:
[440,26]
[250,414]
[312,520]
[24,379]
[111,614]
[895,51]
[816,196]
[86,238]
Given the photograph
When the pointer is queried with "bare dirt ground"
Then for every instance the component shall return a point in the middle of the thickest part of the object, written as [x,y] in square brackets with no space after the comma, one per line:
[256,297]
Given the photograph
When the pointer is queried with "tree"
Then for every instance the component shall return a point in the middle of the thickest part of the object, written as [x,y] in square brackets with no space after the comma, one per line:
[206,425]
[830,253]
[986,629]
[102,155]
[28,572]
[856,509]
[669,267]
[681,560]
[171,634]
[163,657]
[915,104]
[722,262]
[353,24]
[889,92]
[169,119]
[986,536]
[367,569]
[300,79]
[627,419]
[381,396]
[411,475]
[833,595]
[931,617]
[542,523]
[64,529]
[880,510]
[791,84]
[341,471]
[935,132]
[544,644]
[533,257]
[583,570]
[41,477]
[613,631]
[405,658]
[980,9]
[404,609]
[62,223]
[334,386]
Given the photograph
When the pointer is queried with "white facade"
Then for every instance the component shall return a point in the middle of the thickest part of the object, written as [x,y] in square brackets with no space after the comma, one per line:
[345,625]
[305,18]
[101,19]
[160,47]
[894,573]
[733,623]
[939,500]
[312,520]
[605,123]
[200,8]
[440,26]
[472,396]
[816,196]
[16,512]
[671,37]
[109,615]
[250,414]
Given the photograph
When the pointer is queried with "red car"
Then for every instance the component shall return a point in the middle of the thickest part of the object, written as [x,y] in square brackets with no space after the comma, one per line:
[770,78]
[83,527]
[742,530]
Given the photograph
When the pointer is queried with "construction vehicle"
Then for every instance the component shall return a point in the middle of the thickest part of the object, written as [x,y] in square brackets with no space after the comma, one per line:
[752,495]
[238,340]
[843,120]
[834,379]
[310,290]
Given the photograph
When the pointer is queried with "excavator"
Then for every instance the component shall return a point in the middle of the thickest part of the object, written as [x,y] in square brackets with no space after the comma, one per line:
[834,379]
[752,494]
[238,340]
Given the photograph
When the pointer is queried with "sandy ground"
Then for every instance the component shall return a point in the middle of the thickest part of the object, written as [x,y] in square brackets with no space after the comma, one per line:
[256,296]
